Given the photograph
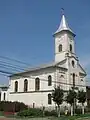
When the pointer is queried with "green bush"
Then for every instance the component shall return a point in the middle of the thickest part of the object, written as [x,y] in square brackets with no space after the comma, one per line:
[78,111]
[30,112]
[87,109]
[8,106]
[34,112]
[50,113]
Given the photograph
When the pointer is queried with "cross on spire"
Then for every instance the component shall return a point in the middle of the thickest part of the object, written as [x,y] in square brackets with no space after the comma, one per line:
[62,11]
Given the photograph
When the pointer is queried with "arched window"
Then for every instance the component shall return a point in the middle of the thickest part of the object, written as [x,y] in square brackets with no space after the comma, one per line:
[60,48]
[73,64]
[4,96]
[16,86]
[81,79]
[63,81]
[37,84]
[49,99]
[49,80]
[25,85]
[73,79]
[61,76]
[70,48]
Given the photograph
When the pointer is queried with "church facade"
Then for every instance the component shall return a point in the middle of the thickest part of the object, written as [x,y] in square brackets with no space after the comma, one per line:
[34,86]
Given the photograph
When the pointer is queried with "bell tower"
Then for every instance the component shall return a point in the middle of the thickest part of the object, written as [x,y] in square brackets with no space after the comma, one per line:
[64,41]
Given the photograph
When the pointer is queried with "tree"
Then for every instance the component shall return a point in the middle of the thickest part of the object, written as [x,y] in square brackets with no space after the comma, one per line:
[57,96]
[70,98]
[81,98]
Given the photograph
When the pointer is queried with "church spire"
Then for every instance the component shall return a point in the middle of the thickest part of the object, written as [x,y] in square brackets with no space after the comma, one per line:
[63,25]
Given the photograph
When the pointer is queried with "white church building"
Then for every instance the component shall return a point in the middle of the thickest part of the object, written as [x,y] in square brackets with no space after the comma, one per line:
[34,86]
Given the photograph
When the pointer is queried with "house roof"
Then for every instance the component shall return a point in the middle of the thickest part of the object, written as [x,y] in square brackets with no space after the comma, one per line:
[82,69]
[43,66]
[4,86]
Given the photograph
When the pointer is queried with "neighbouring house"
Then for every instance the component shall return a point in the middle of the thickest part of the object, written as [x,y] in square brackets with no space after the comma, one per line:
[4,92]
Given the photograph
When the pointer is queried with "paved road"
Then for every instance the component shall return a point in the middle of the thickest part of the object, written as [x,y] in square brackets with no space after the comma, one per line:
[4,118]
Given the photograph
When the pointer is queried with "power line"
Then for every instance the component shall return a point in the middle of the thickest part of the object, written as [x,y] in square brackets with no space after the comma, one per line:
[10,73]
[5,67]
[42,79]
[46,80]
[18,66]
[6,72]
[10,66]
[3,74]
[11,59]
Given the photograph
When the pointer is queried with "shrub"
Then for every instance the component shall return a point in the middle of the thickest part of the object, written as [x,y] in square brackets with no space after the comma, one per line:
[19,106]
[78,111]
[30,112]
[36,112]
[50,113]
[8,106]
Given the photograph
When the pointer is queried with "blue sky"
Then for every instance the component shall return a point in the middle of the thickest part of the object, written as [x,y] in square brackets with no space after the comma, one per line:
[27,26]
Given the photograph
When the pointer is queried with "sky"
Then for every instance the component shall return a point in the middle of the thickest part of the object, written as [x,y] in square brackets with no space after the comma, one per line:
[27,26]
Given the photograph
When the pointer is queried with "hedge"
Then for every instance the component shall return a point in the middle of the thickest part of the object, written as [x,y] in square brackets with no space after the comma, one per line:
[50,113]
[7,106]
[30,112]
[36,112]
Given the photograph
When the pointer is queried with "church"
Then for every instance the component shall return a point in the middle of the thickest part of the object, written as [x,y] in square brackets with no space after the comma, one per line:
[35,85]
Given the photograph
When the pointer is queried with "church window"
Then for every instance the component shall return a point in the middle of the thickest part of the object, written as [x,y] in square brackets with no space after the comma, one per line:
[73,79]
[73,64]
[49,80]
[62,80]
[25,85]
[37,84]
[70,48]
[49,99]
[81,79]
[16,86]
[60,48]
[62,76]
[4,96]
